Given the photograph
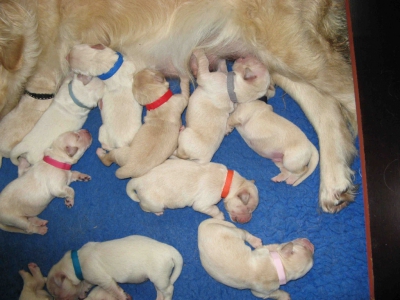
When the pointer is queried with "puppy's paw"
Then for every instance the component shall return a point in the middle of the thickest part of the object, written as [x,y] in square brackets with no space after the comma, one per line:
[255,242]
[128,297]
[69,202]
[159,213]
[84,177]
[42,230]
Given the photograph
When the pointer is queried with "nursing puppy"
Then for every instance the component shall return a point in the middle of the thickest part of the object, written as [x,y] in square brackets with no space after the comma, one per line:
[276,138]
[179,183]
[22,200]
[207,112]
[33,284]
[20,121]
[132,259]
[120,112]
[68,112]
[157,139]
[226,258]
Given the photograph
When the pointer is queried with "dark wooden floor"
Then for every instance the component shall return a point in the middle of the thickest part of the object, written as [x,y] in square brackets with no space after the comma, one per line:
[376,37]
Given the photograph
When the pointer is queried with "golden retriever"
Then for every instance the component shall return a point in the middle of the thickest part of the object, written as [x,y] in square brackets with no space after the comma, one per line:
[303,43]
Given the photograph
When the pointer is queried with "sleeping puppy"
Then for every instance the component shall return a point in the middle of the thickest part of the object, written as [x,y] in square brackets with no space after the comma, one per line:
[30,109]
[68,112]
[33,284]
[28,195]
[226,258]
[179,183]
[207,112]
[120,112]
[276,138]
[157,139]
[132,259]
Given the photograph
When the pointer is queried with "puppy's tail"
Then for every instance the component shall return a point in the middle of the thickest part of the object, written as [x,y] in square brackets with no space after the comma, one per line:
[178,263]
[313,163]
[130,190]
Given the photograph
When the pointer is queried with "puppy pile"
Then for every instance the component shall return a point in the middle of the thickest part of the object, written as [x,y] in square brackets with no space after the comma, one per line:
[161,157]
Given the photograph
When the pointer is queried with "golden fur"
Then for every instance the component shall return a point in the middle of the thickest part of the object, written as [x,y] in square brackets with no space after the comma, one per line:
[303,43]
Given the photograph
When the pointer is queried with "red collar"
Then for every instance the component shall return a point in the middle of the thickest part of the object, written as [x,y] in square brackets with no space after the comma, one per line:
[160,101]
[227,185]
[56,163]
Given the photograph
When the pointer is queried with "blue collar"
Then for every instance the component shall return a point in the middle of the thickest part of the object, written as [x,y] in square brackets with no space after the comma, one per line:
[76,101]
[76,264]
[114,69]
[230,83]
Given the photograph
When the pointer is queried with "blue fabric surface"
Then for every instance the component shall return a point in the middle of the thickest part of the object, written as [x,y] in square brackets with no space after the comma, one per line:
[103,211]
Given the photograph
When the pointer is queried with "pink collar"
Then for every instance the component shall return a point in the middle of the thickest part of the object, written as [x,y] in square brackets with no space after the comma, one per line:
[160,101]
[56,163]
[279,267]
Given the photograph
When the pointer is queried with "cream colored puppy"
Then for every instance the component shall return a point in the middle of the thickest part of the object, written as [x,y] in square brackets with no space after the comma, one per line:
[120,112]
[212,102]
[68,112]
[207,112]
[157,139]
[276,138]
[226,258]
[20,121]
[179,183]
[132,259]
[28,195]
[33,284]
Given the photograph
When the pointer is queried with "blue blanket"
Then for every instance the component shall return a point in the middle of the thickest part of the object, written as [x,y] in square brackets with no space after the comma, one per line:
[103,211]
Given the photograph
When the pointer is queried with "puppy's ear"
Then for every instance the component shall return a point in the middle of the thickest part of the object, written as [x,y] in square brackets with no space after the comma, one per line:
[244,196]
[287,249]
[84,78]
[71,151]
[98,47]
[59,278]
[159,77]
[249,74]
[11,56]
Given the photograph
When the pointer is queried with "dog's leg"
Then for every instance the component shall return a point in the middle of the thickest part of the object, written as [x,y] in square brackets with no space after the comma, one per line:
[164,288]
[336,143]
[109,284]
[65,192]
[203,65]
[254,241]
[212,210]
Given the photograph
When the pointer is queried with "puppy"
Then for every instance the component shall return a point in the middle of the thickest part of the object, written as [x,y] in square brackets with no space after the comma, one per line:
[20,121]
[132,259]
[207,112]
[157,139]
[226,258]
[120,112]
[28,195]
[33,284]
[276,138]
[19,51]
[178,183]
[68,112]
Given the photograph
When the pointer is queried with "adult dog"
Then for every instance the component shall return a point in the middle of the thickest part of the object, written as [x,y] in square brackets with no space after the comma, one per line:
[303,43]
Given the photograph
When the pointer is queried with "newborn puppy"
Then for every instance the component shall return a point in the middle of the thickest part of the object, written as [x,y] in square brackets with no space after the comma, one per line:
[207,112]
[18,122]
[120,112]
[132,259]
[179,183]
[157,139]
[28,195]
[33,284]
[276,138]
[68,112]
[226,258]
